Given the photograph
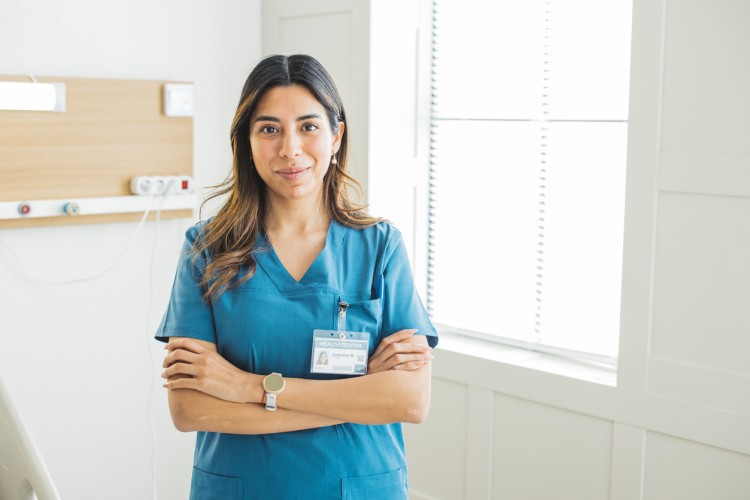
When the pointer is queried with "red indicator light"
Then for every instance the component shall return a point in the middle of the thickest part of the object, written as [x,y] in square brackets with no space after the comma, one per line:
[24,209]
[184,185]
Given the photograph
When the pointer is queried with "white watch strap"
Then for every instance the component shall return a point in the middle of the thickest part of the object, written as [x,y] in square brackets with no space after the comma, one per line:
[270,401]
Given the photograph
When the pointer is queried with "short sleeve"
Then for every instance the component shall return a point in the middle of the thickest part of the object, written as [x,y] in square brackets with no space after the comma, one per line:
[402,306]
[188,314]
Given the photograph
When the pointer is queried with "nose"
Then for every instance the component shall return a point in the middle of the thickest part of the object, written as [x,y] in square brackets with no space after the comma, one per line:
[290,145]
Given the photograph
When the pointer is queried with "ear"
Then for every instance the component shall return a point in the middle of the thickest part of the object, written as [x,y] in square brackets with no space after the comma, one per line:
[337,138]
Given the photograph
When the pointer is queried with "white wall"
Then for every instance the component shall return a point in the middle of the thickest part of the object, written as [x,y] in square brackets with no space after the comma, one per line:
[80,360]
[676,423]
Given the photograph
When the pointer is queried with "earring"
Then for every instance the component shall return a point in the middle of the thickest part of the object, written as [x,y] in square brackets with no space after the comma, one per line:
[334,161]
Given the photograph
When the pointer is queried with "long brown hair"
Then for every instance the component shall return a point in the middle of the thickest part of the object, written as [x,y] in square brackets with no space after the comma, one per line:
[229,237]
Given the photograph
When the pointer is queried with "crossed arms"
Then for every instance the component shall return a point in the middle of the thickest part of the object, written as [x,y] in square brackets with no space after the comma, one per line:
[208,393]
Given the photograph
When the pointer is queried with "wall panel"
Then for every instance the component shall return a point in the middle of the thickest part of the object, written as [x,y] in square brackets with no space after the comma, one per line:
[437,448]
[706,77]
[543,452]
[684,470]
[701,290]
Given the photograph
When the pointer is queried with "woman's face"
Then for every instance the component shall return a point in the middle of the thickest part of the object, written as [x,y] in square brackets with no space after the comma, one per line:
[292,143]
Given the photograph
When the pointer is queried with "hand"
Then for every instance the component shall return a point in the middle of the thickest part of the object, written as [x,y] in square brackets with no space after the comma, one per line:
[190,365]
[398,352]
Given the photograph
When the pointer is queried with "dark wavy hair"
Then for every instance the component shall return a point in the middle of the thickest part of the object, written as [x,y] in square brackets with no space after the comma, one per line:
[229,237]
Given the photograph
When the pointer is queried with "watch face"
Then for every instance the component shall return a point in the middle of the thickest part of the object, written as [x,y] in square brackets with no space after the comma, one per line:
[274,383]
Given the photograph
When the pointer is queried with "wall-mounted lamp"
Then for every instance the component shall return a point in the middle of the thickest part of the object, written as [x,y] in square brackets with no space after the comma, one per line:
[27,96]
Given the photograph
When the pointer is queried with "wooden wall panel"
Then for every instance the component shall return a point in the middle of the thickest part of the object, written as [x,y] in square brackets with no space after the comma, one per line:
[111,131]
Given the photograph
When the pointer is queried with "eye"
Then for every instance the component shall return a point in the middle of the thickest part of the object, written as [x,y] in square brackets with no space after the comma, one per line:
[309,127]
[267,129]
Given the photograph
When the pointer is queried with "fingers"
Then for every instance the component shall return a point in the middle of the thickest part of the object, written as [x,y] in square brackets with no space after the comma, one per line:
[177,355]
[180,361]
[410,366]
[185,343]
[180,369]
[402,348]
[393,339]
[403,359]
[399,361]
[182,383]
[397,351]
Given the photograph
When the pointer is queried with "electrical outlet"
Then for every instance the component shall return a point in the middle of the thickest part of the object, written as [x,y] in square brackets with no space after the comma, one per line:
[140,185]
[159,185]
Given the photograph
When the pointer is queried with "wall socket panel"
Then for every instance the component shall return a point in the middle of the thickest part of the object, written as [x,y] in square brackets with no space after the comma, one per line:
[160,185]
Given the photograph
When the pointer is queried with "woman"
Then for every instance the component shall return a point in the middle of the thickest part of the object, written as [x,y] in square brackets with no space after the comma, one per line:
[289,267]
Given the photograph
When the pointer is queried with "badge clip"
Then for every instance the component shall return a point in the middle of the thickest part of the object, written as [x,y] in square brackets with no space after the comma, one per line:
[343,306]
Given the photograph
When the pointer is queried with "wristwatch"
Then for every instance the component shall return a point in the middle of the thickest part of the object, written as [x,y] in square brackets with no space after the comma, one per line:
[273,385]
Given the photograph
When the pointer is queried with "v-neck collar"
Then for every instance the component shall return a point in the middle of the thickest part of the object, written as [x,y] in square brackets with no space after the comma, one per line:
[319,272]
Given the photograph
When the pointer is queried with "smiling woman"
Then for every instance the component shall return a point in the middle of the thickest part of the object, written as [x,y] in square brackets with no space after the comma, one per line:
[291,267]
[291,152]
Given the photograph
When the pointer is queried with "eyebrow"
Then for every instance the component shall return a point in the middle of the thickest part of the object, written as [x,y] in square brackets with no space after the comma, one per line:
[268,118]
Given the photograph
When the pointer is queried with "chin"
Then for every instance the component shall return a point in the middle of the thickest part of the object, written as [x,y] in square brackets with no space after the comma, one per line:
[297,192]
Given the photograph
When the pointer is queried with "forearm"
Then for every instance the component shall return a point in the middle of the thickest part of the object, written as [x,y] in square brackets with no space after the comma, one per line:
[381,398]
[220,397]
[192,410]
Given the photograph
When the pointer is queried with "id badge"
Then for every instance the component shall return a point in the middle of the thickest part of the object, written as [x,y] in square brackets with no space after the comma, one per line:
[340,352]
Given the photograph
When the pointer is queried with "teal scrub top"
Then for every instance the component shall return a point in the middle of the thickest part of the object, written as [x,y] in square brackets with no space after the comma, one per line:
[266,325]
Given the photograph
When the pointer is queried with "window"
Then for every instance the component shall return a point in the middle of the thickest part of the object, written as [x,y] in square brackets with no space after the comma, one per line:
[527,170]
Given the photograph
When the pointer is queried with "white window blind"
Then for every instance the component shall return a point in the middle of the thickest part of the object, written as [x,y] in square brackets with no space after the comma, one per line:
[527,170]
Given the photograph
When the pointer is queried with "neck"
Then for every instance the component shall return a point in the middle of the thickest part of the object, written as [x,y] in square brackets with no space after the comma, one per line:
[298,216]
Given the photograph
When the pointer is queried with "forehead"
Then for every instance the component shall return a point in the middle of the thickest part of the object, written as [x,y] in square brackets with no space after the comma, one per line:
[292,101]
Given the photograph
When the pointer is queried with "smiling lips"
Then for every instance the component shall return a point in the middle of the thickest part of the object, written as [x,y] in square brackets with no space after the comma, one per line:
[293,174]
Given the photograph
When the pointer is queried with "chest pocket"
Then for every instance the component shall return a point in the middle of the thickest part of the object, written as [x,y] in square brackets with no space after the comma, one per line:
[364,316]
